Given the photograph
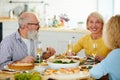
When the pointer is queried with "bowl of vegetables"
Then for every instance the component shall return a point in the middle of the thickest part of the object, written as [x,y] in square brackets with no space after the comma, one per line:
[63,63]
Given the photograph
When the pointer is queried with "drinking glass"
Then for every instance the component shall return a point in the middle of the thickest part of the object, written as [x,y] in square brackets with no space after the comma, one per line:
[39,51]
[70,47]
[94,52]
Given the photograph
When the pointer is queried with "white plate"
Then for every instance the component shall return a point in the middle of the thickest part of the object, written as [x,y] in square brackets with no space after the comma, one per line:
[40,69]
[76,76]
[60,65]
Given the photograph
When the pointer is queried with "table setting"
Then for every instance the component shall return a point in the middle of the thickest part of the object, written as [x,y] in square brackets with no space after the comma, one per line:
[57,67]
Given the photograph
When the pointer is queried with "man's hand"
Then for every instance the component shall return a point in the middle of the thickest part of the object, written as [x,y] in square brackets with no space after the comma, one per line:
[28,59]
[49,52]
[70,54]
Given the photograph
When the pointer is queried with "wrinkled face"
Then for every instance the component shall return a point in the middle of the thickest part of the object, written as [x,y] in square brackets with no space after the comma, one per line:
[33,28]
[94,25]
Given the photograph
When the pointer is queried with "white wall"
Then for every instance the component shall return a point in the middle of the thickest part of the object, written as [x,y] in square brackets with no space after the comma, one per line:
[117,7]
[106,8]
[5,7]
[77,10]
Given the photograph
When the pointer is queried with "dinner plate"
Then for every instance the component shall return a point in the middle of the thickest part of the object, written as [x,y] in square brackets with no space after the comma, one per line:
[85,67]
[76,76]
[40,67]
[8,71]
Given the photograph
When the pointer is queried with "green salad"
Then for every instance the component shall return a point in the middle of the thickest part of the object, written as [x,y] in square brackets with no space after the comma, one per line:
[63,62]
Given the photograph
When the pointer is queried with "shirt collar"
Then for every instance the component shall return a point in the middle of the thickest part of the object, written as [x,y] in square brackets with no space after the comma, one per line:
[18,34]
[18,37]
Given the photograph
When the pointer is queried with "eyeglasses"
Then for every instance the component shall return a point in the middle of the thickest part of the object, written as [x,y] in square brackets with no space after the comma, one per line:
[36,24]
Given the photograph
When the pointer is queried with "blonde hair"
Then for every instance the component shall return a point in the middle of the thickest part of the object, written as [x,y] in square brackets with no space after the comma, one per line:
[111,33]
[97,15]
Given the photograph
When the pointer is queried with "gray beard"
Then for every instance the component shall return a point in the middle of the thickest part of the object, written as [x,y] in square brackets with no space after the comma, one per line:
[33,35]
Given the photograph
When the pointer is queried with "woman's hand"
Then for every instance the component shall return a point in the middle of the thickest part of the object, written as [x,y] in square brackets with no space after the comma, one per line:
[99,58]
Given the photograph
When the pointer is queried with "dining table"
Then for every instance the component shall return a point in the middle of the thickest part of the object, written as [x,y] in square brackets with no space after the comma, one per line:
[83,74]
[5,75]
[10,76]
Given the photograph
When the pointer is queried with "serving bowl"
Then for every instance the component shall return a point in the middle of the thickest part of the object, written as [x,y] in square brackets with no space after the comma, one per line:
[63,63]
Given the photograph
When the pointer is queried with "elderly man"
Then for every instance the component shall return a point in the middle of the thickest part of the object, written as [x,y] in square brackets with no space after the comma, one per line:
[19,46]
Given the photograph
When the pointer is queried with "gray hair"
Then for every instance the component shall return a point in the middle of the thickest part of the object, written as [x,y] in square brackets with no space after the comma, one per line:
[23,21]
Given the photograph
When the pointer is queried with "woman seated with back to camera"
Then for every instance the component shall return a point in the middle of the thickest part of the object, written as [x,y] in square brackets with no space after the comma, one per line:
[111,64]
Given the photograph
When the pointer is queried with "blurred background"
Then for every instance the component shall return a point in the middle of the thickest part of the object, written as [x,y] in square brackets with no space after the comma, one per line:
[73,12]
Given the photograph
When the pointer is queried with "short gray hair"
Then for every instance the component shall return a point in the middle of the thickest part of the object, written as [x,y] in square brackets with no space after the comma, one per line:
[22,21]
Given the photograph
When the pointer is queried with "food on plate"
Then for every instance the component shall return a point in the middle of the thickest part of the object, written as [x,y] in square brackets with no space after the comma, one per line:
[63,63]
[62,71]
[73,57]
[65,74]
[42,64]
[51,71]
[85,67]
[21,66]
[69,70]
[60,56]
